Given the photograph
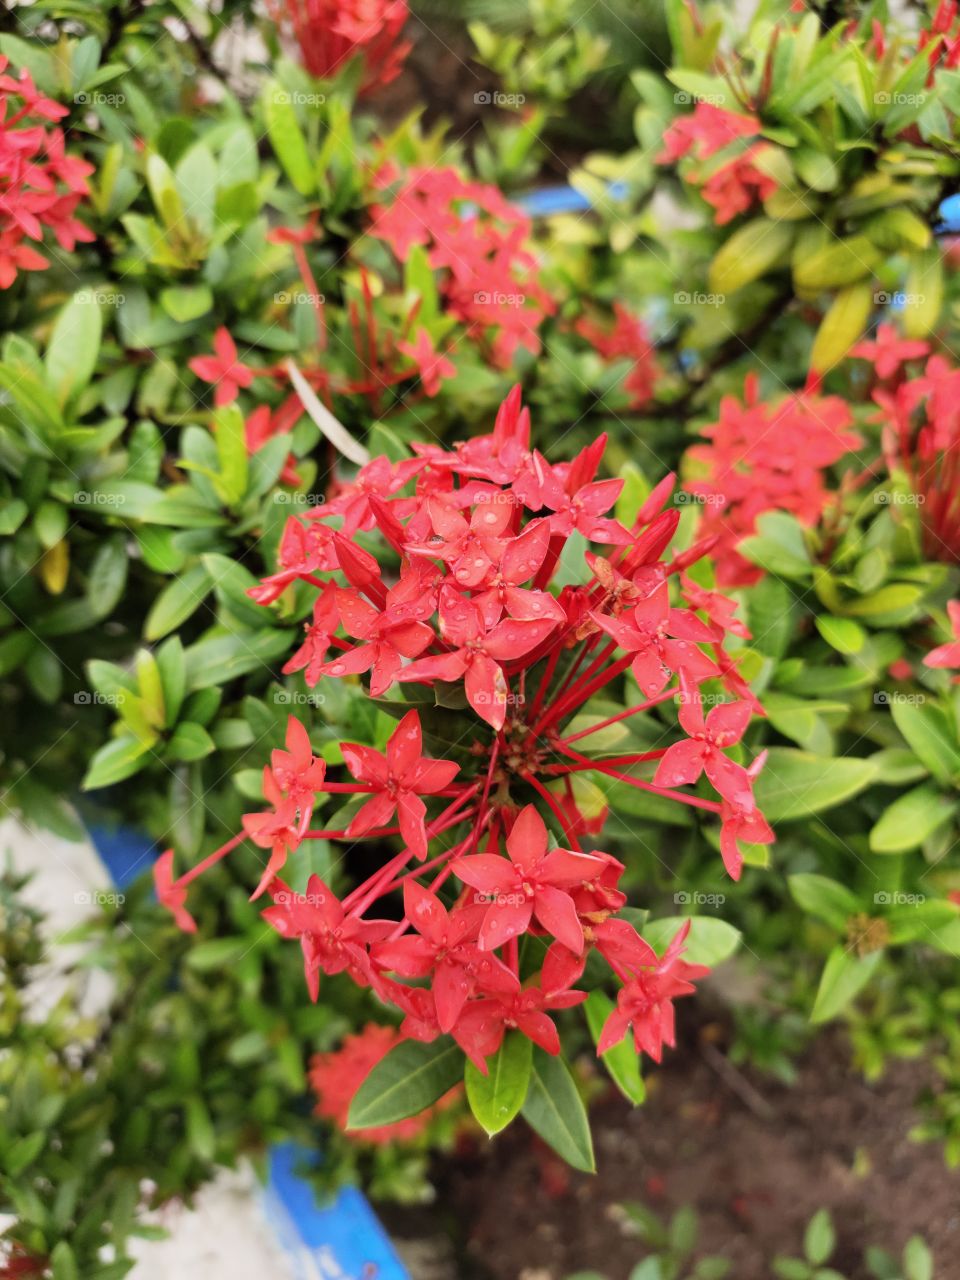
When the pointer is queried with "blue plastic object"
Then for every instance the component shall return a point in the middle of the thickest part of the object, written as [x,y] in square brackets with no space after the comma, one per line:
[950,213]
[342,1240]
[546,201]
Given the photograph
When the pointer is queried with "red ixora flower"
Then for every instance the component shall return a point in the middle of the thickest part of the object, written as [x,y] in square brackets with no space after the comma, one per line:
[645,1002]
[733,185]
[398,780]
[888,352]
[465,567]
[432,365]
[223,369]
[332,32]
[41,185]
[948,655]
[766,457]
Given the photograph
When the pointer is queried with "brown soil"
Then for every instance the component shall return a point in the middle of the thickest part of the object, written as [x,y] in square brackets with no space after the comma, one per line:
[755,1170]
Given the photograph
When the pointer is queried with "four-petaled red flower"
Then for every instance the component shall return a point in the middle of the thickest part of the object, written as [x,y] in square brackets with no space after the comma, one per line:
[223,369]
[171,895]
[399,778]
[645,1002]
[432,365]
[532,882]
[948,655]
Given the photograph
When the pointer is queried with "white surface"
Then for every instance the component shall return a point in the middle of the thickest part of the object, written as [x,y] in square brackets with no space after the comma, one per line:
[226,1236]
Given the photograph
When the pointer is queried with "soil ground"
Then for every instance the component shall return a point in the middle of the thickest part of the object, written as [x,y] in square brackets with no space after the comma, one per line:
[755,1166]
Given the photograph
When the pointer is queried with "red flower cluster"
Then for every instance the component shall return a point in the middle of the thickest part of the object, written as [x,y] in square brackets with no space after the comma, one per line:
[335,1078]
[922,439]
[734,184]
[40,184]
[766,458]
[628,339]
[478,239]
[477,535]
[332,32]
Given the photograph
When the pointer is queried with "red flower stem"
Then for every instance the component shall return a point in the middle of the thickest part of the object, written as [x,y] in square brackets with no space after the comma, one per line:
[557,811]
[713,806]
[545,572]
[558,770]
[583,692]
[622,715]
[310,284]
[209,861]
[545,682]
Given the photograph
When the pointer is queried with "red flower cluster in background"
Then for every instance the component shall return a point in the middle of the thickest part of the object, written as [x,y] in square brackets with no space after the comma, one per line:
[332,32]
[948,655]
[335,1077]
[40,184]
[627,339]
[733,185]
[921,439]
[478,239]
[476,535]
[764,457]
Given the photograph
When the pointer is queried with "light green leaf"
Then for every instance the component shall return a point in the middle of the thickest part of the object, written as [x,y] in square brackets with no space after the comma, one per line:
[408,1080]
[496,1098]
[555,1110]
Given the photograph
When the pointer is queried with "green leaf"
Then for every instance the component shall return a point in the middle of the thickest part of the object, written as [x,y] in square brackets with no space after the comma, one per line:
[221,658]
[408,1080]
[108,576]
[844,977]
[824,898]
[929,735]
[184,303]
[842,326]
[748,253]
[911,818]
[622,1061]
[917,1260]
[496,1098]
[71,356]
[819,1238]
[795,783]
[190,742]
[200,1132]
[118,759]
[842,634]
[709,941]
[177,602]
[286,138]
[555,1110]
[64,1262]
[231,453]
[778,546]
